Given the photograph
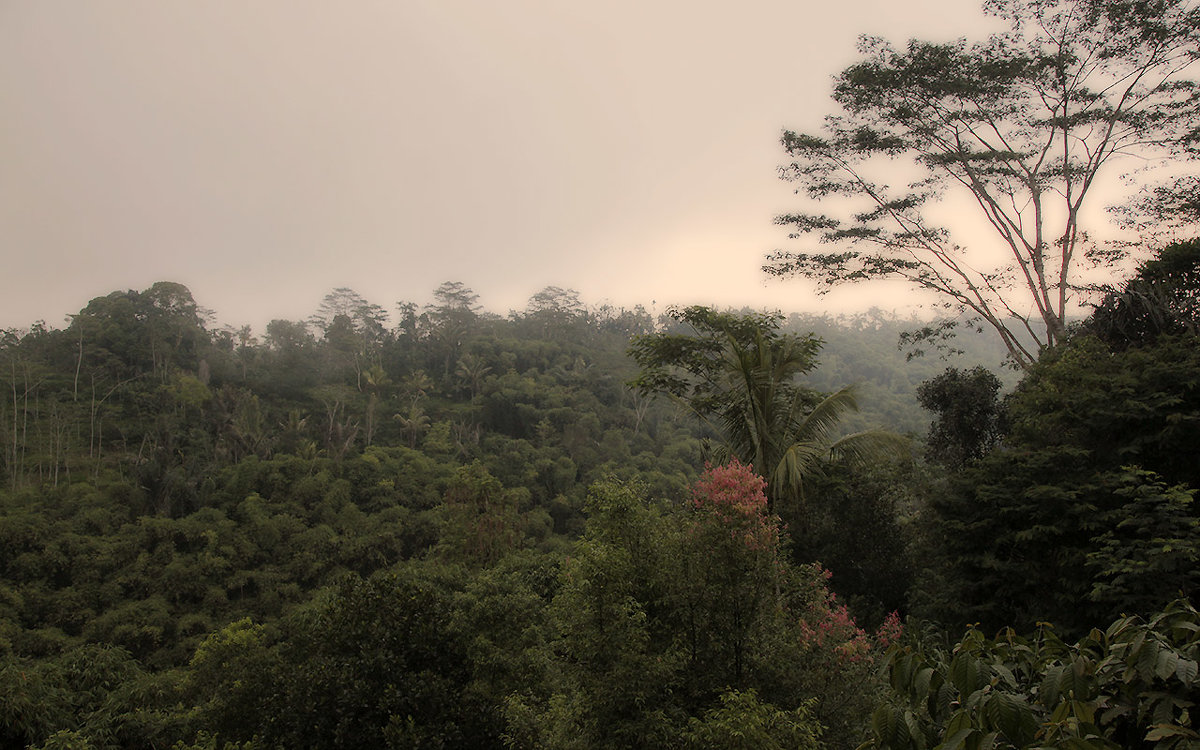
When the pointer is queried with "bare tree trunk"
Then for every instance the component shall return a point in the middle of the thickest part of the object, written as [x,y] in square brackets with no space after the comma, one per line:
[12,462]
[78,364]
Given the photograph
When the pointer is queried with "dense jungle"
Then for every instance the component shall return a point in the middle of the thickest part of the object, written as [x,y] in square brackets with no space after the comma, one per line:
[576,526]
[551,528]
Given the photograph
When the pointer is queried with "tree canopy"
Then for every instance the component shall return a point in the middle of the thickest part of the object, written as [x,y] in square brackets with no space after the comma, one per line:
[215,542]
[1162,299]
[1024,124]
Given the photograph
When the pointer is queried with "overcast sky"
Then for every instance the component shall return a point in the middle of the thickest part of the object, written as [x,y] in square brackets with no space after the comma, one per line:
[264,152]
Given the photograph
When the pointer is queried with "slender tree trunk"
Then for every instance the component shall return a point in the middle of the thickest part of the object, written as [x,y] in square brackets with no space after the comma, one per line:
[24,422]
[78,364]
[12,462]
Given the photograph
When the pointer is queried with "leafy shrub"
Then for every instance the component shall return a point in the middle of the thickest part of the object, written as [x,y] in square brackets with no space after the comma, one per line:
[1133,685]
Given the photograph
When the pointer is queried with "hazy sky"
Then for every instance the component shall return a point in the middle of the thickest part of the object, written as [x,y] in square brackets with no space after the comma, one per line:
[264,152]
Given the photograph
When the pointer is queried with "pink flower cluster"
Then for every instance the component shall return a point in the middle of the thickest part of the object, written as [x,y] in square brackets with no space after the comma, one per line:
[731,489]
[890,631]
[832,625]
[828,623]
[736,496]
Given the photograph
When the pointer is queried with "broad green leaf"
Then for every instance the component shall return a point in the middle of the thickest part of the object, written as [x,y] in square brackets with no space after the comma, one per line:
[956,740]
[966,673]
[1048,692]
[1147,659]
[1084,711]
[960,721]
[940,696]
[883,724]
[1167,663]
[1186,671]
[915,735]
[1015,718]
[921,682]
[1005,674]
[1162,731]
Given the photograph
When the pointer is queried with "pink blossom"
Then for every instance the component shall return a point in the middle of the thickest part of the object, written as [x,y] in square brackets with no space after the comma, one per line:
[890,631]
[732,488]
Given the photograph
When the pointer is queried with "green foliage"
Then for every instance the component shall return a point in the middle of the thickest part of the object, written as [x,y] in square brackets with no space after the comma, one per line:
[610,685]
[503,617]
[1085,509]
[482,517]
[422,656]
[378,665]
[1137,406]
[208,741]
[91,696]
[228,676]
[1131,685]
[742,722]
[741,371]
[1019,124]
[1035,535]
[697,367]
[212,541]
[967,413]
[854,523]
[1161,300]
[1149,550]
[663,612]
[29,707]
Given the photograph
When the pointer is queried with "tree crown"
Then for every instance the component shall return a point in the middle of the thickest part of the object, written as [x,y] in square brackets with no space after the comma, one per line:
[1023,123]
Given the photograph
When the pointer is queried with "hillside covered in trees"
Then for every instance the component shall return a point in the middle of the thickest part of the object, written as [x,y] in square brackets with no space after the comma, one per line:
[573,527]
[541,530]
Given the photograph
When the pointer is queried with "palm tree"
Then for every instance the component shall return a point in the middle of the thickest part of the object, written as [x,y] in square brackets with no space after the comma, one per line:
[376,380]
[416,385]
[413,424]
[471,371]
[416,421]
[739,375]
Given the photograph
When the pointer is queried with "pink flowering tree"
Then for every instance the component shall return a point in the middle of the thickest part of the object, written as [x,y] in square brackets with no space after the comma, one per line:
[755,619]
[734,498]
[692,620]
[731,561]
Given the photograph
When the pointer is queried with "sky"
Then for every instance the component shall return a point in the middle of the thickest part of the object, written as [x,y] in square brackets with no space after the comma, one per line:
[265,152]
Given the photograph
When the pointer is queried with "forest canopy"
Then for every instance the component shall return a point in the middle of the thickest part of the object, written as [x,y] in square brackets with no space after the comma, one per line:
[467,530]
[576,526]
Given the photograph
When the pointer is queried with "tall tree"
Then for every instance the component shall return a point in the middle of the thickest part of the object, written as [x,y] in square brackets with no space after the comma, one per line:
[375,380]
[353,331]
[1088,510]
[555,313]
[662,610]
[1023,124]
[449,319]
[739,374]
[174,325]
[368,318]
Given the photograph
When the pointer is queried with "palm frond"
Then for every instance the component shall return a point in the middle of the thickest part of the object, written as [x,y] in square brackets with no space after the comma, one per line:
[796,466]
[820,424]
[721,454]
[871,446]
